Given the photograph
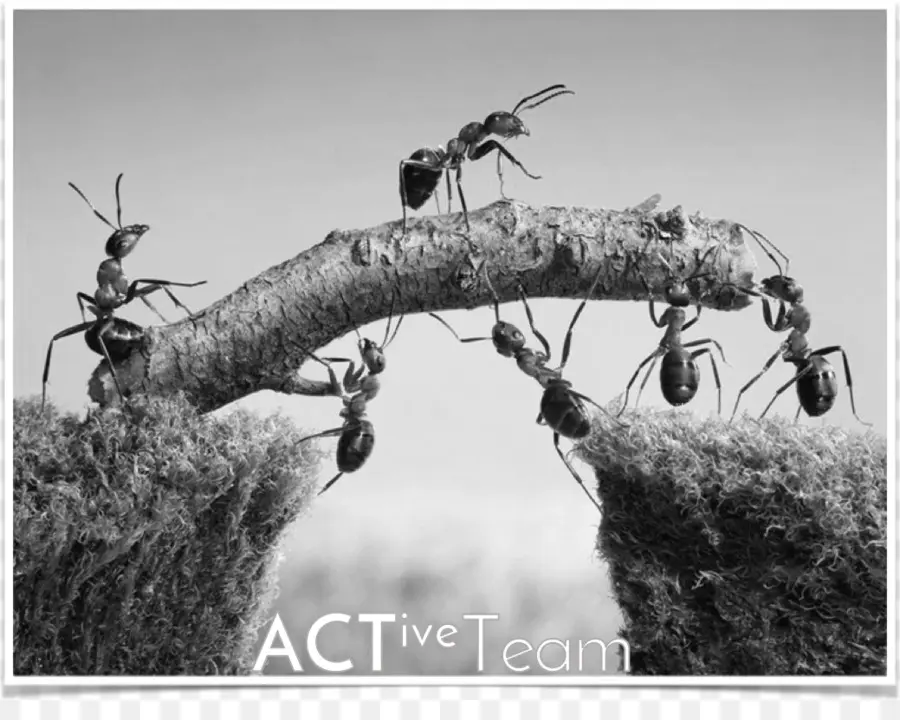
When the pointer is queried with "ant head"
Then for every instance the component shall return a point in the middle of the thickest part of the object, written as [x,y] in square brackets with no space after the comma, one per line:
[678,294]
[372,355]
[123,241]
[505,124]
[508,339]
[784,288]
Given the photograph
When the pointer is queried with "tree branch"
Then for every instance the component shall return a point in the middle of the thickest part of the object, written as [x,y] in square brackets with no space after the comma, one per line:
[254,338]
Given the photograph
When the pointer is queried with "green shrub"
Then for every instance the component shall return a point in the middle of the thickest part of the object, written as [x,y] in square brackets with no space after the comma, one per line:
[145,541]
[746,548]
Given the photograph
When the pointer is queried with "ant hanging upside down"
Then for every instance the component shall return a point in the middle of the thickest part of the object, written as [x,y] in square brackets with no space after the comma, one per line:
[562,407]
[421,173]
[815,378]
[679,374]
[357,435]
[358,388]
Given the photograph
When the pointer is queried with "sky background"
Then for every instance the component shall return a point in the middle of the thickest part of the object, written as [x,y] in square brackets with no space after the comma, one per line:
[245,137]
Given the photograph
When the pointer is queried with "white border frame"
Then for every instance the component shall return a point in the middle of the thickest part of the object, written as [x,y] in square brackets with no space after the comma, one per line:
[302,680]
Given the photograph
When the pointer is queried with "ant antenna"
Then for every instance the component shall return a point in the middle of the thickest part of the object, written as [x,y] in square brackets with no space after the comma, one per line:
[763,241]
[118,203]
[490,285]
[541,102]
[387,327]
[96,211]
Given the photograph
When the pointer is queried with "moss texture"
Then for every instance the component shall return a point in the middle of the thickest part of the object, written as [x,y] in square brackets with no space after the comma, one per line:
[146,545]
[747,548]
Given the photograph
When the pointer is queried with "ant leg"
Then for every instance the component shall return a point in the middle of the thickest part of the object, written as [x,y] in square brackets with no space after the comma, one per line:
[760,238]
[837,348]
[537,334]
[449,190]
[574,474]
[652,303]
[462,198]
[490,146]
[599,407]
[336,388]
[59,336]
[112,371]
[500,175]
[567,343]
[404,201]
[462,340]
[655,354]
[82,299]
[784,387]
[693,321]
[351,379]
[387,328]
[769,363]
[712,359]
[779,324]
[695,343]
[797,416]
[330,483]
[153,307]
[325,433]
[134,292]
[637,400]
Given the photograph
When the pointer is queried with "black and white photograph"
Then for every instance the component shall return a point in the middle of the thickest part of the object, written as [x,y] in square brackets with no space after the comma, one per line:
[461,347]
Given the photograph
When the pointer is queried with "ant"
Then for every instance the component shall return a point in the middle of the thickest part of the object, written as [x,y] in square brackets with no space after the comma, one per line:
[816,379]
[357,435]
[373,358]
[562,408]
[112,282]
[112,337]
[679,374]
[421,172]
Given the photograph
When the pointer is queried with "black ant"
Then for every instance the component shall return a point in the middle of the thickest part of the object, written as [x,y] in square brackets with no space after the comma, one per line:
[562,407]
[112,283]
[815,378]
[113,338]
[373,359]
[679,374]
[357,434]
[421,173]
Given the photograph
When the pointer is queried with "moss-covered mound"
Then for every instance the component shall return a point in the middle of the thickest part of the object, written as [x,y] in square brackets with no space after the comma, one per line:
[747,548]
[145,539]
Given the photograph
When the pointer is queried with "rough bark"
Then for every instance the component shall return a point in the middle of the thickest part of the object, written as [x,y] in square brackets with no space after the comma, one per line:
[254,338]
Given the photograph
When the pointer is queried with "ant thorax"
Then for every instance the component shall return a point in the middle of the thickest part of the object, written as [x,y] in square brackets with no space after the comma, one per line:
[106,297]
[796,347]
[470,134]
[110,273]
[354,407]
[799,318]
[532,363]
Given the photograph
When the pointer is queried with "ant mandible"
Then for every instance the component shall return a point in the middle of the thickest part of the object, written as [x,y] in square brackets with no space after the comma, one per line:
[815,378]
[357,434]
[679,374]
[112,282]
[562,408]
[421,173]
